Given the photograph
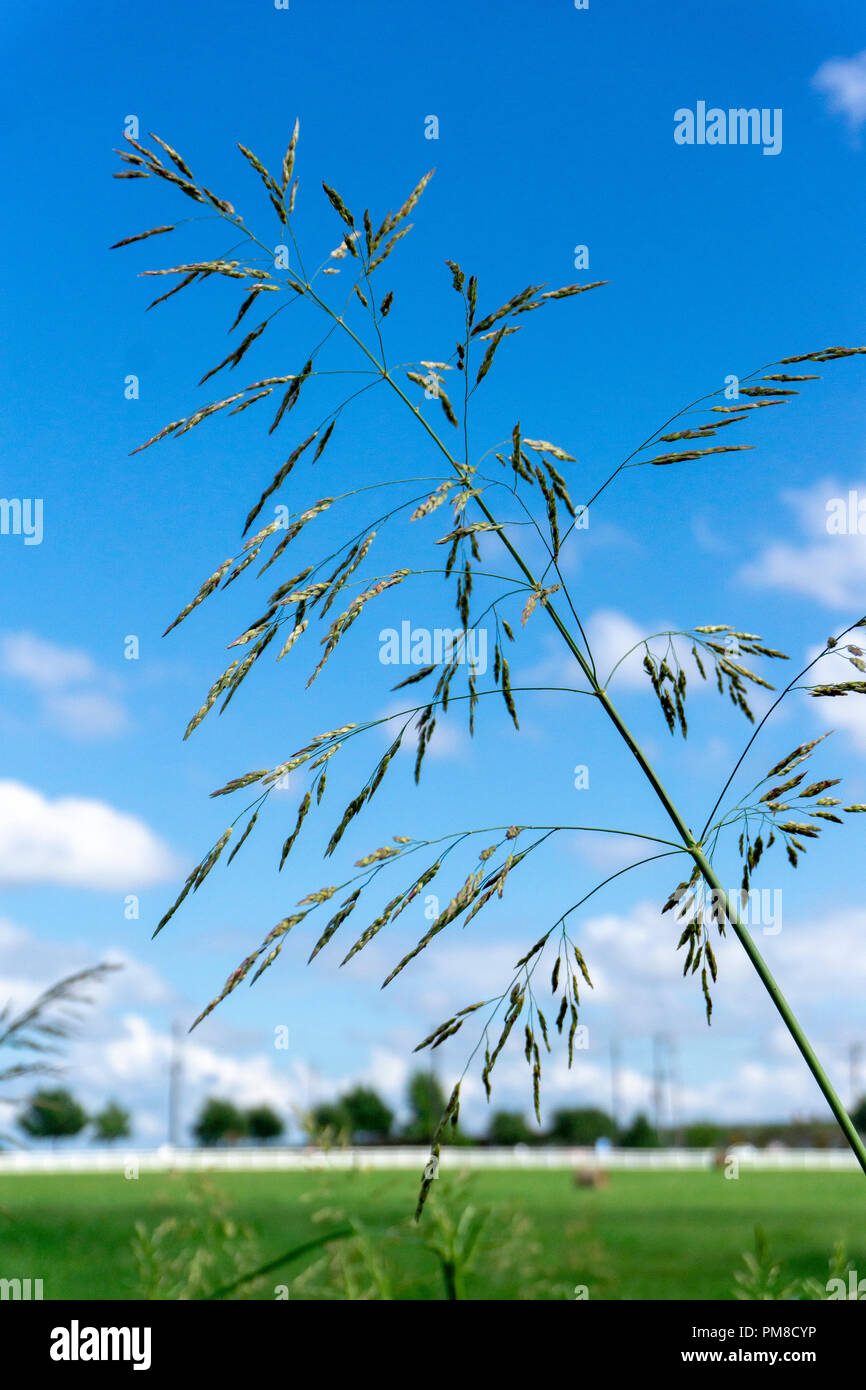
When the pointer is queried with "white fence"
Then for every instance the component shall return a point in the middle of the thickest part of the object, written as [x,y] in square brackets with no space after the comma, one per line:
[134,1161]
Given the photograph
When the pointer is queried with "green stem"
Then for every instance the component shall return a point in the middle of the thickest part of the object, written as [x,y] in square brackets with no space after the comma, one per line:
[763,970]
[692,846]
[449,1275]
[788,1016]
[710,877]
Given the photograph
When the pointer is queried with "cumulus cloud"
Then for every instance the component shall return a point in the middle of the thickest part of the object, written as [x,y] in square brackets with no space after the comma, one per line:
[843,83]
[825,564]
[86,714]
[637,972]
[70,689]
[612,852]
[134,1061]
[29,965]
[744,1067]
[29,658]
[846,712]
[611,634]
[470,966]
[26,970]
[76,842]
[448,741]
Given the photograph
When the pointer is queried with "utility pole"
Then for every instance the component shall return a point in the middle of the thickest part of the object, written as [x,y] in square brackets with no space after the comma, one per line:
[658,1080]
[855,1055]
[174,1079]
[614,1083]
[674,1088]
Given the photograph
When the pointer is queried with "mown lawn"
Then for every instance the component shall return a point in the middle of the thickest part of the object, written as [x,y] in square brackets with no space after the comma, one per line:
[645,1235]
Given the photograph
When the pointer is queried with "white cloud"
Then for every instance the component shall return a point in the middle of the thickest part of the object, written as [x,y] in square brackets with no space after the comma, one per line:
[86,714]
[846,712]
[43,664]
[57,674]
[448,741]
[134,979]
[474,968]
[611,634]
[137,1057]
[747,1065]
[76,842]
[28,967]
[756,1089]
[613,852]
[11,935]
[827,567]
[825,959]
[24,974]
[843,83]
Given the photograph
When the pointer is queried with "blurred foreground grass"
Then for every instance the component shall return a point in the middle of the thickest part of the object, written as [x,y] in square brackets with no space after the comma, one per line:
[644,1236]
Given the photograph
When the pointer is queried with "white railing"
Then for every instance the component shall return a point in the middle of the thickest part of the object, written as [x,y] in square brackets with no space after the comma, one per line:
[131,1162]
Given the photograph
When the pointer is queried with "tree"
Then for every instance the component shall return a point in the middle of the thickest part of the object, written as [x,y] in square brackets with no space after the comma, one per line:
[331,1117]
[640,1135]
[509,1127]
[40,1029]
[368,1115]
[53,1114]
[426,1101]
[581,1127]
[219,1121]
[263,1123]
[703,1135]
[112,1123]
[858,1115]
[506,505]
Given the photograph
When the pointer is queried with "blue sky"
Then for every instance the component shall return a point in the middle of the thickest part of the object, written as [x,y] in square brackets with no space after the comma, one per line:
[555,129]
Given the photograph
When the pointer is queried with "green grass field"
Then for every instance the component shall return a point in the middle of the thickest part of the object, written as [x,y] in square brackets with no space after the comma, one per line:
[646,1235]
